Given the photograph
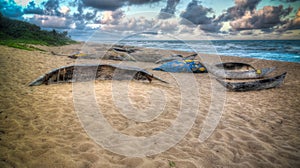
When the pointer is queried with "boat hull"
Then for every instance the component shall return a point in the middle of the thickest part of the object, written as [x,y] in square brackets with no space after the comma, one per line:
[234,66]
[87,72]
[254,85]
[250,74]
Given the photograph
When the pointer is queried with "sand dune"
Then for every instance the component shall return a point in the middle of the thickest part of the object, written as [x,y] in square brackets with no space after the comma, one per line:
[40,127]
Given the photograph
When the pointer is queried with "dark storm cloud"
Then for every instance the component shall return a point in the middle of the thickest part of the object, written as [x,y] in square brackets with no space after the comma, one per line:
[211,27]
[90,15]
[169,10]
[114,4]
[80,15]
[33,9]
[289,0]
[104,4]
[264,19]
[237,11]
[81,19]
[196,14]
[291,24]
[52,7]
[139,2]
[10,9]
[244,16]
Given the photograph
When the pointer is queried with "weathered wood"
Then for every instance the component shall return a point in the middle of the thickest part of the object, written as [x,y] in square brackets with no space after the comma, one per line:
[254,85]
[86,72]
[250,74]
[234,66]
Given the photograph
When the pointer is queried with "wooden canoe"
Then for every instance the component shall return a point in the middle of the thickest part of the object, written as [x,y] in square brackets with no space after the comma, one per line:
[87,72]
[254,85]
[250,74]
[234,66]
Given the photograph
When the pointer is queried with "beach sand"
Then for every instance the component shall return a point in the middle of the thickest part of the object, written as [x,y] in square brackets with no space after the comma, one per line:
[40,128]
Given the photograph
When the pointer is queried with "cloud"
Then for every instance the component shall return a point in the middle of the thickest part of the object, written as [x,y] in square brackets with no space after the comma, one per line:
[48,21]
[112,17]
[64,10]
[132,25]
[33,9]
[238,11]
[289,1]
[52,8]
[10,9]
[264,19]
[104,4]
[247,32]
[166,26]
[116,22]
[197,14]
[82,17]
[295,23]
[169,10]
[114,4]
[291,24]
[139,2]
[211,27]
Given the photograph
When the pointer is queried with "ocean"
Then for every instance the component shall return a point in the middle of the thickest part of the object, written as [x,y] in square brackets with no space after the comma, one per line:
[279,50]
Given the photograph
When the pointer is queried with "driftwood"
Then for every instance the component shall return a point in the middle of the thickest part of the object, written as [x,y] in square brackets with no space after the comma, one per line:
[254,85]
[87,72]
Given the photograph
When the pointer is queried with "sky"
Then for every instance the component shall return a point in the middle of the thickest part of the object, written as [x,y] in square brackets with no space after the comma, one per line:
[162,19]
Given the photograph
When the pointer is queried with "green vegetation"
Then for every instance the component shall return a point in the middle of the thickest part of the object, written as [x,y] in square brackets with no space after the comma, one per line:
[20,34]
[172,164]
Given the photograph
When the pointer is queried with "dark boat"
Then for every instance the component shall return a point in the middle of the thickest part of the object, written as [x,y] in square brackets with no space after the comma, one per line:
[127,50]
[88,72]
[250,74]
[177,57]
[254,85]
[234,66]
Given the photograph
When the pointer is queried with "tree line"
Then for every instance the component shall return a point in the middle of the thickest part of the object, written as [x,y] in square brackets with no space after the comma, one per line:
[14,32]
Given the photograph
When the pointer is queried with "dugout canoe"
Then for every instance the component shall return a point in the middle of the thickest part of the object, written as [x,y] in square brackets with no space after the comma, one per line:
[254,85]
[249,74]
[235,66]
[176,57]
[87,72]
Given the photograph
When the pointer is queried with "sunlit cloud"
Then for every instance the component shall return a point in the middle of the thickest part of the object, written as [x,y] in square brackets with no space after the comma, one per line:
[241,19]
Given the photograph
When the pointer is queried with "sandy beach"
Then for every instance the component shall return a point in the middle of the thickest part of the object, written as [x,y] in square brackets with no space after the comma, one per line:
[40,128]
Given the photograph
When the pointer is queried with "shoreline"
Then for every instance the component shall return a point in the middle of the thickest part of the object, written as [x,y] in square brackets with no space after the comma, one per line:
[181,50]
[40,128]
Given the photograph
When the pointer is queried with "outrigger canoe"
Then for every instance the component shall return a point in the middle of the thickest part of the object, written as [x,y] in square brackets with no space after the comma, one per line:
[254,85]
[87,72]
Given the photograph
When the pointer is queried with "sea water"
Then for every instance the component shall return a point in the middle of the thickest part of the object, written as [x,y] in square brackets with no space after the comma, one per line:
[279,50]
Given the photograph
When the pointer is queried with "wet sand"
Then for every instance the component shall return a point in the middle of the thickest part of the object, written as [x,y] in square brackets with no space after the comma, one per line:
[40,128]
